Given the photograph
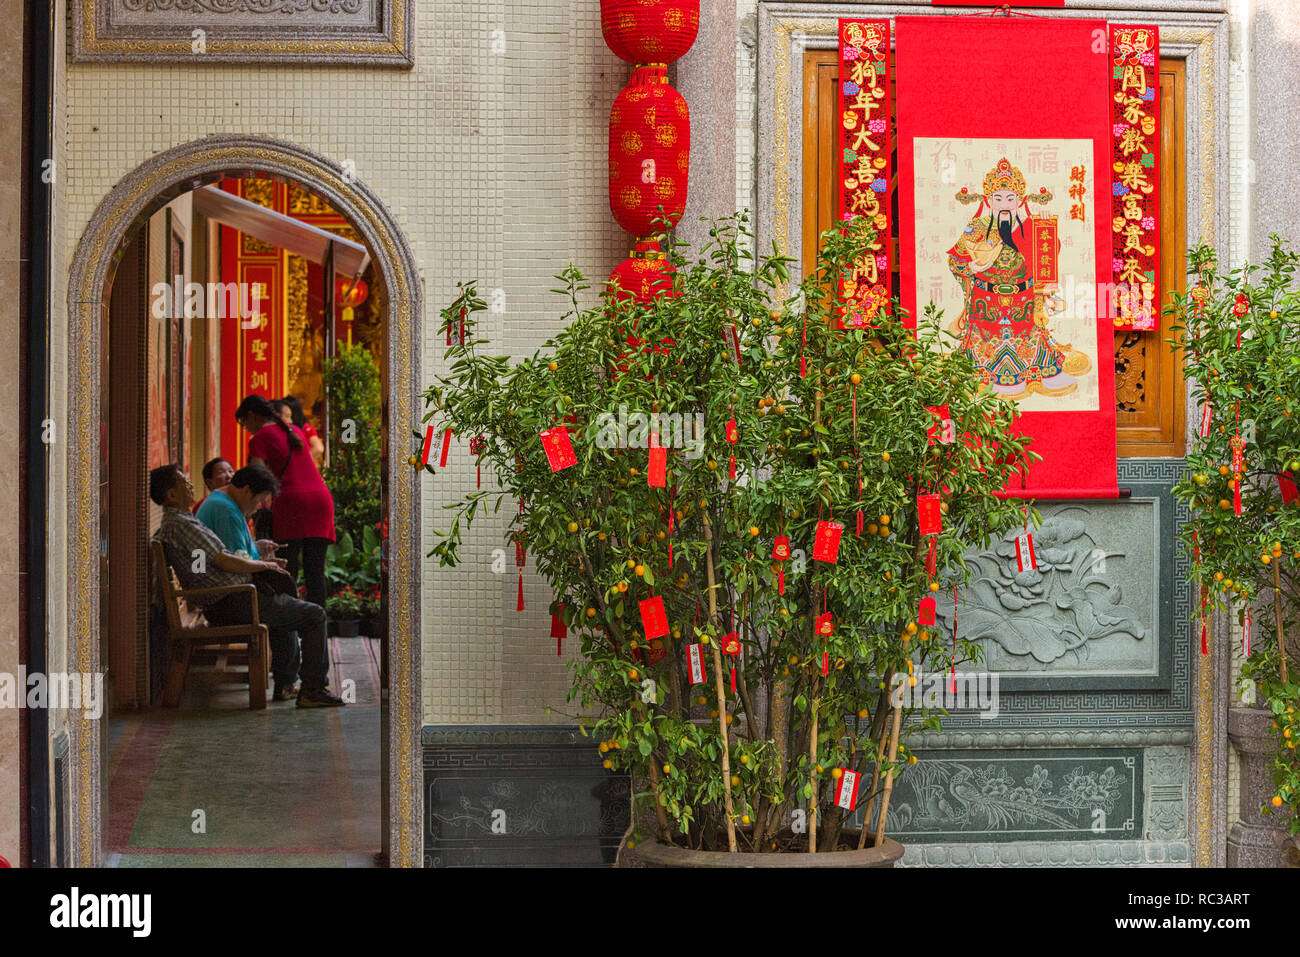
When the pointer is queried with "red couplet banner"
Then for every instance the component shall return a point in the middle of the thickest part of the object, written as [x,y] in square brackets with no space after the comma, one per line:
[1004,200]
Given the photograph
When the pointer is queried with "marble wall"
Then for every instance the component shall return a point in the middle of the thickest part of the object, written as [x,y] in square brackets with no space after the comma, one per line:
[1272,45]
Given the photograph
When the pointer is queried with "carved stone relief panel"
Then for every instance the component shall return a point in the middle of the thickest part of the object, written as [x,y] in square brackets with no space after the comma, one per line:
[1020,796]
[1095,609]
[374,32]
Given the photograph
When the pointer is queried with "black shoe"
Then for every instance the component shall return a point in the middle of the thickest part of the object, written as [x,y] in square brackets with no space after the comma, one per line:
[284,692]
[320,698]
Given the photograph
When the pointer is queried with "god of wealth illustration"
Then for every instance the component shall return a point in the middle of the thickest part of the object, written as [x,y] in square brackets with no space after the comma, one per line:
[1009,291]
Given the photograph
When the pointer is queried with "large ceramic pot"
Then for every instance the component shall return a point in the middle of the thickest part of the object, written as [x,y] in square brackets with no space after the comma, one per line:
[653,854]
[1257,839]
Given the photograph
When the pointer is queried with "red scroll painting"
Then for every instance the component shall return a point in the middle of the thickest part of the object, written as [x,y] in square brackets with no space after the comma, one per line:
[1135,170]
[1004,199]
[862,162]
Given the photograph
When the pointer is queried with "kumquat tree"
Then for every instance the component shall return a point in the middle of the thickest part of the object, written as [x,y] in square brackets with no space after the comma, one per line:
[1241,334]
[746,516]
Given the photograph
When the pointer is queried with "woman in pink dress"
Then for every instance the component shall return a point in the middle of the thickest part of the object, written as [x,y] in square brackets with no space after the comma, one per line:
[302,514]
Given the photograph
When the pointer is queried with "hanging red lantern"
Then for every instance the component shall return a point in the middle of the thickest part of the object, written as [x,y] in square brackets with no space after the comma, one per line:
[649,31]
[646,273]
[349,293]
[649,153]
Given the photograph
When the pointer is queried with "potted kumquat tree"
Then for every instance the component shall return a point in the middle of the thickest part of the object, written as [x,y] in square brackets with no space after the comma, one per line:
[746,516]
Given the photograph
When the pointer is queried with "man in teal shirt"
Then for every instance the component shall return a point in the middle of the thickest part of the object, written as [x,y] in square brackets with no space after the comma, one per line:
[226,511]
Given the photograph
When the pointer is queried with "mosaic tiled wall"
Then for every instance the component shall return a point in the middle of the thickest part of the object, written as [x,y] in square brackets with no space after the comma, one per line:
[490,154]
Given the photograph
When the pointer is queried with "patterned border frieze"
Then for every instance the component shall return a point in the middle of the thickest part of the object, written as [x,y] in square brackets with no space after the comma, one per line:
[1046,738]
[1050,854]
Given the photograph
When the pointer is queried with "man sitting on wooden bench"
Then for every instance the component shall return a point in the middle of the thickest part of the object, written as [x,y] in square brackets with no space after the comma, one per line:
[196,554]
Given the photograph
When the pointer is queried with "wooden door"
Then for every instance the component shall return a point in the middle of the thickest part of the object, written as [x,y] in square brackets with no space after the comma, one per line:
[124,588]
[1150,396]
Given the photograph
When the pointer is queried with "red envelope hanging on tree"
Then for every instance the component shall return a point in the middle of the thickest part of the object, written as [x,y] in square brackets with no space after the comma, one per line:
[846,790]
[653,618]
[558,448]
[695,661]
[826,546]
[1286,485]
[657,473]
[656,653]
[943,430]
[925,614]
[733,340]
[929,516]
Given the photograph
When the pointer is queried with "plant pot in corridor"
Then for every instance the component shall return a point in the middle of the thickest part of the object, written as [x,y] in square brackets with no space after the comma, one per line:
[654,854]
[347,628]
[374,626]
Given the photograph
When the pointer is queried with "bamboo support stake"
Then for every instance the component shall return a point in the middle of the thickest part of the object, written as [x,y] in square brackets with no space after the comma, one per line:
[1277,613]
[889,778]
[875,782]
[728,807]
[812,781]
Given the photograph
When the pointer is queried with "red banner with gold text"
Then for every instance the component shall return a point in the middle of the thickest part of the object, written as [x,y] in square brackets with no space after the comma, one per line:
[863,162]
[1004,199]
[1135,214]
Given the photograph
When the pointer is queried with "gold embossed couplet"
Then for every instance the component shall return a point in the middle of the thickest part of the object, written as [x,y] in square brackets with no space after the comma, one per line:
[1135,171]
[863,162]
[1004,144]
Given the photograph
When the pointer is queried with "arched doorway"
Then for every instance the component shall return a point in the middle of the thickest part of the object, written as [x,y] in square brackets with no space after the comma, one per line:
[146,189]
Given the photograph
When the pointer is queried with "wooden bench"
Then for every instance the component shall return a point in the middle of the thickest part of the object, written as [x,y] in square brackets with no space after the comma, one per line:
[188,636]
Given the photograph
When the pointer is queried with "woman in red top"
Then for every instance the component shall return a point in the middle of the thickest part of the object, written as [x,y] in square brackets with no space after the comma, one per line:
[302,513]
[290,411]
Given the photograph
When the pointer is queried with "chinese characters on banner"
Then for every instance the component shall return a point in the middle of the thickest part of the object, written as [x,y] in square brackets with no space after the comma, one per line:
[1045,248]
[863,162]
[1135,149]
[261,356]
[1078,190]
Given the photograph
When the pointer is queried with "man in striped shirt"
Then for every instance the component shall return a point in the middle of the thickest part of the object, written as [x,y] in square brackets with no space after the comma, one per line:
[197,556]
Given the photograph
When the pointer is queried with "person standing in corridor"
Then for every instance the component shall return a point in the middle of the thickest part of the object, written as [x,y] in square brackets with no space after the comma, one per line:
[303,512]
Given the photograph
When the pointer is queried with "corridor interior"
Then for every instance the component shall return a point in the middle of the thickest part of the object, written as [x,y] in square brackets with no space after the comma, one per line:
[215,784]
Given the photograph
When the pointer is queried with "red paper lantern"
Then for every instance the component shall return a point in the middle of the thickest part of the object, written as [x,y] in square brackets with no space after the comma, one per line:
[646,273]
[649,31]
[649,152]
[349,293]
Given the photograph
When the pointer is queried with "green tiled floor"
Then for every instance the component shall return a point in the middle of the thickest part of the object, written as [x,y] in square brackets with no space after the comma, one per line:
[281,787]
